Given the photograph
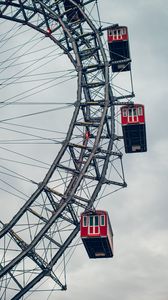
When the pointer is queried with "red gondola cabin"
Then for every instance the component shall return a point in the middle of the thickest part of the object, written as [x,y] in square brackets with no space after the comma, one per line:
[118,43]
[73,14]
[96,234]
[133,127]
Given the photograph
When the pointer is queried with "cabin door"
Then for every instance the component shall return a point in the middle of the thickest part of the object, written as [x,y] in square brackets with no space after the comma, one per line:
[93,226]
[132,115]
[117,34]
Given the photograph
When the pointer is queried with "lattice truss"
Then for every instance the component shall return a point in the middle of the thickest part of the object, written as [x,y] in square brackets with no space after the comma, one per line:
[36,241]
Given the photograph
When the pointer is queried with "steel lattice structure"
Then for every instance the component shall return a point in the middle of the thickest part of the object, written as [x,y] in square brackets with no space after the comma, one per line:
[83,159]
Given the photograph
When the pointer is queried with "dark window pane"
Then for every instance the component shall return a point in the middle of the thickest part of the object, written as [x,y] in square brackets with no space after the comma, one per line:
[102,221]
[134,111]
[125,112]
[96,221]
[91,220]
[84,221]
[140,111]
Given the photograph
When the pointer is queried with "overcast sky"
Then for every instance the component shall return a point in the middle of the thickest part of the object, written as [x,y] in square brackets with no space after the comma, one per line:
[139,268]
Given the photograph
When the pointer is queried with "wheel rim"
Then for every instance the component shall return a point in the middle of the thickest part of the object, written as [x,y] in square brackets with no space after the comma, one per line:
[87,156]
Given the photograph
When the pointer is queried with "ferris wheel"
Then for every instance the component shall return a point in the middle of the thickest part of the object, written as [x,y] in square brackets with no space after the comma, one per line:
[56,192]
